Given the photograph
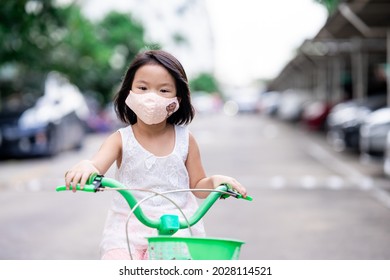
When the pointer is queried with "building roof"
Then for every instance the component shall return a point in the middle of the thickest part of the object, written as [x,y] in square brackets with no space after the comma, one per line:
[358,18]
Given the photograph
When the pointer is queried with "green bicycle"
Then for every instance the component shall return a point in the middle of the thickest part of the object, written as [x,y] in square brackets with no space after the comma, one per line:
[164,246]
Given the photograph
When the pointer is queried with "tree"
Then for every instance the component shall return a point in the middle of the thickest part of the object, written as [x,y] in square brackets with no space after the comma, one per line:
[27,35]
[121,38]
[95,56]
[204,82]
[38,36]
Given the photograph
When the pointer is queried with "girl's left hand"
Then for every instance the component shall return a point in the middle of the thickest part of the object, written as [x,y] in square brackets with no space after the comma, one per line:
[221,179]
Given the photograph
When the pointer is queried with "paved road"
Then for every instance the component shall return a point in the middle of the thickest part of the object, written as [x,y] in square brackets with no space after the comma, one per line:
[310,202]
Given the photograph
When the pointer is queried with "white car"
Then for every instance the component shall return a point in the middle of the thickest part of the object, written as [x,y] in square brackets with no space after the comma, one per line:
[373,133]
[55,123]
[386,165]
[291,105]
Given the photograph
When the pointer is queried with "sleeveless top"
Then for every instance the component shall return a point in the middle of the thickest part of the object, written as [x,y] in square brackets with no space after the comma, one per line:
[140,169]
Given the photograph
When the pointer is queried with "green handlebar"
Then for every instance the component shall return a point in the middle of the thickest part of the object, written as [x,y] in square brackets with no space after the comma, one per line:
[97,182]
[87,188]
[129,197]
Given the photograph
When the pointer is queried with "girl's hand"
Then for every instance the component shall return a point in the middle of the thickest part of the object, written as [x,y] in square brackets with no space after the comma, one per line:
[221,179]
[79,174]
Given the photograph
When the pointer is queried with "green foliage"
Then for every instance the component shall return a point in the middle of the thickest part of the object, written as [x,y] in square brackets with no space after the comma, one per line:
[331,5]
[27,35]
[36,37]
[204,82]
[101,52]
[179,38]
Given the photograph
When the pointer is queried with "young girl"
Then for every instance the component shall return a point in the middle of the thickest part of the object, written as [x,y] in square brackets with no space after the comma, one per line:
[154,152]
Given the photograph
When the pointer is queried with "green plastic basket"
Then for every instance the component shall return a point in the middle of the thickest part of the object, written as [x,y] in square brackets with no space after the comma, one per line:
[193,248]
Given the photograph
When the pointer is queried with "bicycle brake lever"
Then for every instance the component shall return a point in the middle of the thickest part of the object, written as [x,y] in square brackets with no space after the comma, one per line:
[231,192]
[97,182]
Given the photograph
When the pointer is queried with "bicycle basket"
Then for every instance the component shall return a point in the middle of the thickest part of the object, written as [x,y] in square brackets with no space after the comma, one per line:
[193,248]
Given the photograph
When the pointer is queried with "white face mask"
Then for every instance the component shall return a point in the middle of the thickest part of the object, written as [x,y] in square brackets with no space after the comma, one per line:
[150,107]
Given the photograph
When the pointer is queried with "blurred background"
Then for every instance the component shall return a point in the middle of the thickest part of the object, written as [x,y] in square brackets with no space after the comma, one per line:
[292,99]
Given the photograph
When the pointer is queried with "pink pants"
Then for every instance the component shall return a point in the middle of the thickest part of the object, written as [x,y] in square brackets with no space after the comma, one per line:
[123,254]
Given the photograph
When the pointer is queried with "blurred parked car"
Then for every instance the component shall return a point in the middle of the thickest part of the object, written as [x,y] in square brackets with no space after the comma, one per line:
[291,105]
[206,103]
[269,102]
[345,119]
[56,122]
[241,100]
[386,164]
[373,133]
[315,113]
[246,104]
[100,119]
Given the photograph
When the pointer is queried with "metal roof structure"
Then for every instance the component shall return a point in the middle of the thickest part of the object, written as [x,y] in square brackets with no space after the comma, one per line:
[358,18]
[356,35]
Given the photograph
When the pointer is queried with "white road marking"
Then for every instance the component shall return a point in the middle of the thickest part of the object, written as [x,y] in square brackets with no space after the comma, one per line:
[365,183]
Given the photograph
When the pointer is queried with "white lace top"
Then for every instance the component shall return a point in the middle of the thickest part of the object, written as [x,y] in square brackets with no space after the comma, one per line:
[140,169]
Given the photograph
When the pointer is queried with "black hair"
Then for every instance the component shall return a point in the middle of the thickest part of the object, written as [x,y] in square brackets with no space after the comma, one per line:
[185,113]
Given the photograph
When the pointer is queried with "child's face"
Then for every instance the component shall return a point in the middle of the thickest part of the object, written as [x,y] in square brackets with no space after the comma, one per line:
[154,78]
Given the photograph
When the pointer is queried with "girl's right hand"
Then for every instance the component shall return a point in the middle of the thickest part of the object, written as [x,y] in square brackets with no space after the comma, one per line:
[79,174]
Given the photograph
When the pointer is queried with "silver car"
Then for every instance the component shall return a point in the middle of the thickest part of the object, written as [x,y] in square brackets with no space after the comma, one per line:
[55,123]
[373,133]
[386,165]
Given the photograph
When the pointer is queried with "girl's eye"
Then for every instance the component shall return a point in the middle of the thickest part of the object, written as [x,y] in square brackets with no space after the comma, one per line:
[142,88]
[164,91]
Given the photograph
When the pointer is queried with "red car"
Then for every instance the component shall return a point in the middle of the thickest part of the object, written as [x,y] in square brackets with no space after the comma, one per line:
[314,115]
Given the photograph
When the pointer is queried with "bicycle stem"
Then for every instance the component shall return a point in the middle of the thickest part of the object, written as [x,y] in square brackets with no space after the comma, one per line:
[132,201]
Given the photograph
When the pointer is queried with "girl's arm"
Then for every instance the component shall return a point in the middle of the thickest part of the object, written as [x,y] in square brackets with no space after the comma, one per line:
[198,178]
[110,151]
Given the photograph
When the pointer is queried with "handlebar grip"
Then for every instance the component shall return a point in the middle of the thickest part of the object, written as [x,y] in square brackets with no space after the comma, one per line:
[231,192]
[248,197]
[87,188]
[93,183]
